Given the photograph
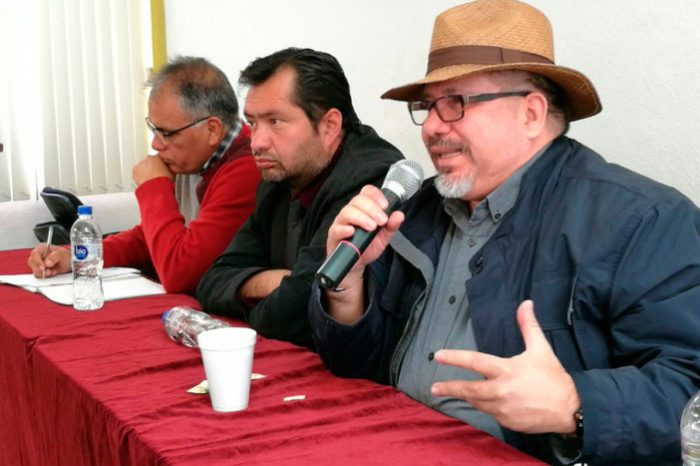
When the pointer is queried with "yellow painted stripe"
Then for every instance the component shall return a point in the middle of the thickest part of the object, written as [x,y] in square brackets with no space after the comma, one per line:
[160,53]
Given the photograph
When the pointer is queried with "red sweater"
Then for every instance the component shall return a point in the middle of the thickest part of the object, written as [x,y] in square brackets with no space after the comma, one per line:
[181,254]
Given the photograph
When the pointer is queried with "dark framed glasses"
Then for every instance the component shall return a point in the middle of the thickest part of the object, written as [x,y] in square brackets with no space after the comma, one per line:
[164,135]
[451,107]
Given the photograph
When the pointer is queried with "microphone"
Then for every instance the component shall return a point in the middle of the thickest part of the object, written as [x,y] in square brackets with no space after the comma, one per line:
[401,182]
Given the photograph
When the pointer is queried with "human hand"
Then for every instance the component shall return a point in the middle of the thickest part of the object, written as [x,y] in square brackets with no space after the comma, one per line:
[366,211]
[530,392]
[152,166]
[261,285]
[58,261]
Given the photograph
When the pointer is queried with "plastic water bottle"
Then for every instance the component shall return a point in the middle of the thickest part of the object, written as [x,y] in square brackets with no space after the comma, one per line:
[183,324]
[86,260]
[690,432]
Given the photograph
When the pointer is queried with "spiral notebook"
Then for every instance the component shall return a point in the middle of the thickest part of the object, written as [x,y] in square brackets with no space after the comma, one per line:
[117,283]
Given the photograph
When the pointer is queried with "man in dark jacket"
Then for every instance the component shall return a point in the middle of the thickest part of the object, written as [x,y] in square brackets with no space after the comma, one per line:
[566,288]
[313,155]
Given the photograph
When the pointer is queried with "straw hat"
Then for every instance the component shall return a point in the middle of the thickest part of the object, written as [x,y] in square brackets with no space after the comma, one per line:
[490,35]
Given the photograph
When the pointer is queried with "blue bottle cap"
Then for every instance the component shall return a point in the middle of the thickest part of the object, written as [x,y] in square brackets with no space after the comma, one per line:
[84,210]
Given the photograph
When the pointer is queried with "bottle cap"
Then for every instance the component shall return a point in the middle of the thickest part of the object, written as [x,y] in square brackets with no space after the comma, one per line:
[84,210]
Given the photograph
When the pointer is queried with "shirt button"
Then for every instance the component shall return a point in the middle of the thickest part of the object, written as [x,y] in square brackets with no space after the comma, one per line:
[431,356]
[471,242]
[452,300]
[497,216]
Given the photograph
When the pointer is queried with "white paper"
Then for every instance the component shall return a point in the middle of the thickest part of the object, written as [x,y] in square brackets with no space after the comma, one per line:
[117,283]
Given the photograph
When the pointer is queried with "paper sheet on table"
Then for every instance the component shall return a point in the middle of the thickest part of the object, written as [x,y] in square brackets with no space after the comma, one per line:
[117,283]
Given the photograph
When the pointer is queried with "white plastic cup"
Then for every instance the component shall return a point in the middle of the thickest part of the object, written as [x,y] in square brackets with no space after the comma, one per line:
[227,354]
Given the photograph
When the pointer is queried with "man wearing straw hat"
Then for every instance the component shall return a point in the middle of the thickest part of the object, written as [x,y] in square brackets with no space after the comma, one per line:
[530,289]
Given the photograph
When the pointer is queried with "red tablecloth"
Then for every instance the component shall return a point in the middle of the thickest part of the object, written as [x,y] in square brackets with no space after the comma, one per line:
[109,387]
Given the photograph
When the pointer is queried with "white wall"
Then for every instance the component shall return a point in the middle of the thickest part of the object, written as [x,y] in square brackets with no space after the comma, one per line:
[113,212]
[642,55]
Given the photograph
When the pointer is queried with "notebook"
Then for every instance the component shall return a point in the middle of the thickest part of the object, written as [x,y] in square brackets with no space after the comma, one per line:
[117,283]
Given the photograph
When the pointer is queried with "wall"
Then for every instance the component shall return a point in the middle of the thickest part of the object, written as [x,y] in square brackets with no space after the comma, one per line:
[113,212]
[642,55]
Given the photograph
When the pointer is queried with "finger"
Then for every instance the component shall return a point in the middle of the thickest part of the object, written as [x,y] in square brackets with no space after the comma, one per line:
[372,208]
[338,231]
[394,222]
[359,214]
[37,251]
[159,164]
[381,241]
[474,391]
[37,269]
[50,273]
[373,203]
[36,261]
[488,365]
[57,256]
[529,327]
[376,195]
[53,258]
[364,212]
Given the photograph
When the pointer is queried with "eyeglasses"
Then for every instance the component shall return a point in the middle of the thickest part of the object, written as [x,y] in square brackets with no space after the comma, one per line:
[164,135]
[451,107]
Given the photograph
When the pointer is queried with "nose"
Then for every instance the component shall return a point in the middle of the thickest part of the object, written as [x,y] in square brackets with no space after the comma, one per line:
[259,140]
[434,125]
[156,144]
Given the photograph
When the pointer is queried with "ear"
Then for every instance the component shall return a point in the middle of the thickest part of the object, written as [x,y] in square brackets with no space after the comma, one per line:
[215,128]
[535,116]
[330,128]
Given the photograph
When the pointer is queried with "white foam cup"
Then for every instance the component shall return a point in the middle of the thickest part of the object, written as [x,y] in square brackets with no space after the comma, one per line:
[227,354]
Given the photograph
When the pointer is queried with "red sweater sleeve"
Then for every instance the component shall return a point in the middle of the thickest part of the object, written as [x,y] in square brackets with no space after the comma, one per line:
[181,254]
[127,249]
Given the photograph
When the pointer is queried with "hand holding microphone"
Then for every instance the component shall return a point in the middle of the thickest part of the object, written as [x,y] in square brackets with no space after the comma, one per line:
[402,181]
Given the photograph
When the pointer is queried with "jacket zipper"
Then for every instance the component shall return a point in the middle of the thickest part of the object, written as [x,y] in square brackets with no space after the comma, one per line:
[570,310]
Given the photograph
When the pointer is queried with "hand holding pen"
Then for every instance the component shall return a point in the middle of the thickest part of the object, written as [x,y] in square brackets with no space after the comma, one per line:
[47,260]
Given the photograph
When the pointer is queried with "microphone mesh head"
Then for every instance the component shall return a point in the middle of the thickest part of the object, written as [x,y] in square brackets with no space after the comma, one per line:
[405,176]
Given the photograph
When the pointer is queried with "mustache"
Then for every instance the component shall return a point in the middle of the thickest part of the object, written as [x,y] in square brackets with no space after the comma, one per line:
[268,155]
[435,142]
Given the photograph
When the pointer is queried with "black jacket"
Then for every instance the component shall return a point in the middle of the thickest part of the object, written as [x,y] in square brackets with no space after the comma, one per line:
[259,245]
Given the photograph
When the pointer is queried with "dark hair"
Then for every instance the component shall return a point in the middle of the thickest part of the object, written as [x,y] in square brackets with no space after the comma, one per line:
[319,86]
[203,88]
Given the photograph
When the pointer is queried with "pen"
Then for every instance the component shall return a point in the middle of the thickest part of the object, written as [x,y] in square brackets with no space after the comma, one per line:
[48,245]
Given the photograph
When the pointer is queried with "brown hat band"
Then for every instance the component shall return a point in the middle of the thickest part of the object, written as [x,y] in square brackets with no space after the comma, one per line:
[482,54]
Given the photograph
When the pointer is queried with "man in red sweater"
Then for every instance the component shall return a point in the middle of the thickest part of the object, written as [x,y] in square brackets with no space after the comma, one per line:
[194,193]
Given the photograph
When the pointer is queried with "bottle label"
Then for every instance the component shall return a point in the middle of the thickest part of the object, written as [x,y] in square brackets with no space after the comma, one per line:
[81,252]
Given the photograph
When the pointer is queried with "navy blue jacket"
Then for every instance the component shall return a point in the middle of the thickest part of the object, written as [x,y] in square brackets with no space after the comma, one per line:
[612,262]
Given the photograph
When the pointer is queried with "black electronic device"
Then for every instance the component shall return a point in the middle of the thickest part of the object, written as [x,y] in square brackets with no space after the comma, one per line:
[63,205]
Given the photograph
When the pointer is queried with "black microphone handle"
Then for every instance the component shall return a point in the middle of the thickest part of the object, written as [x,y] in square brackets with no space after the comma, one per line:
[348,251]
